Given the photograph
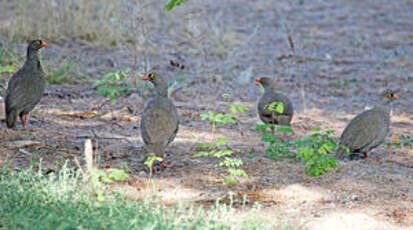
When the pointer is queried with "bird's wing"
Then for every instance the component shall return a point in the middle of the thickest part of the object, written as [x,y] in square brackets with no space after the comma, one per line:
[363,130]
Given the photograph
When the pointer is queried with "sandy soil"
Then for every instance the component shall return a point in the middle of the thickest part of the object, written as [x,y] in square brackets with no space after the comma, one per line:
[346,52]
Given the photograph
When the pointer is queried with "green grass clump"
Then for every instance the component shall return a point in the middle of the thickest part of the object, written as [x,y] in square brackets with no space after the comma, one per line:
[31,200]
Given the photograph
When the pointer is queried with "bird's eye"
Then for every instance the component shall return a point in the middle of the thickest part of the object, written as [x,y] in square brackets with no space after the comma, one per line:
[37,42]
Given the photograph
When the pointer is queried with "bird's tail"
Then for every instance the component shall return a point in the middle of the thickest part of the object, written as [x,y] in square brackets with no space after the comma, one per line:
[11,118]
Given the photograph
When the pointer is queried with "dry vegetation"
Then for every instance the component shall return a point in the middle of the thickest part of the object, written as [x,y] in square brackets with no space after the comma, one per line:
[346,51]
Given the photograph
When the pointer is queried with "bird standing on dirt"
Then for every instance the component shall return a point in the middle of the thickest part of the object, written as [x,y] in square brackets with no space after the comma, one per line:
[270,96]
[26,86]
[160,121]
[368,129]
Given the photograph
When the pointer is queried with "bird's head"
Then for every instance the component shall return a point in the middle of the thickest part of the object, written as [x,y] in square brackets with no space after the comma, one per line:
[158,81]
[37,44]
[391,95]
[264,81]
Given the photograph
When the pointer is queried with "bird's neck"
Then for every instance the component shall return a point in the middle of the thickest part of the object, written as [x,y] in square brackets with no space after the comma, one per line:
[162,90]
[32,55]
[269,89]
[383,106]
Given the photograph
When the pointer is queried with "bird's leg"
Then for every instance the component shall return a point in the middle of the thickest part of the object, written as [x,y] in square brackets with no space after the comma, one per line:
[165,163]
[154,169]
[273,129]
[366,155]
[23,119]
[284,137]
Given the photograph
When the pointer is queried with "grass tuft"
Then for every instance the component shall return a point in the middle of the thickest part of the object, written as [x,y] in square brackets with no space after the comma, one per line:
[31,200]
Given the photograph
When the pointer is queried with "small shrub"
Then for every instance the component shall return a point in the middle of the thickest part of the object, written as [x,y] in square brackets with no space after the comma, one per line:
[231,164]
[150,161]
[113,85]
[216,149]
[277,149]
[312,150]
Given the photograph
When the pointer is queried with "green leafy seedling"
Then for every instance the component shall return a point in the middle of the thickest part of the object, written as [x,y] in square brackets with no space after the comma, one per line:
[277,107]
[172,3]
[113,85]
[106,176]
[7,69]
[150,161]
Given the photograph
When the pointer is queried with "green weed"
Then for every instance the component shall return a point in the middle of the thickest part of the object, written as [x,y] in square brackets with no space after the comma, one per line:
[217,149]
[150,161]
[172,3]
[312,150]
[231,164]
[113,85]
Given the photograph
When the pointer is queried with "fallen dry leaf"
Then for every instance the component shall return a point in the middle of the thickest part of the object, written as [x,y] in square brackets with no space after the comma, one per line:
[21,144]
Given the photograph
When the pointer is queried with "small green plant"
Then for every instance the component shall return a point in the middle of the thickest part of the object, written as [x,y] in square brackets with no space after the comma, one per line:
[217,149]
[7,69]
[113,85]
[276,149]
[231,164]
[235,108]
[315,150]
[99,176]
[218,118]
[312,150]
[275,107]
[150,161]
[172,3]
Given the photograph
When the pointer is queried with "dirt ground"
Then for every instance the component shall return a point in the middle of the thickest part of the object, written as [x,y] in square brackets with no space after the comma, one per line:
[346,53]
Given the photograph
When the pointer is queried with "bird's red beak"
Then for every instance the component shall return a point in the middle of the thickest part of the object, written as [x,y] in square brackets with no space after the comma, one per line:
[146,78]
[395,97]
[258,80]
[44,44]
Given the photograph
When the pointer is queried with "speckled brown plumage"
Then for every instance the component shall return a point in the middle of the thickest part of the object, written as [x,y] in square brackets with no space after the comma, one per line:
[368,129]
[26,86]
[160,121]
[270,96]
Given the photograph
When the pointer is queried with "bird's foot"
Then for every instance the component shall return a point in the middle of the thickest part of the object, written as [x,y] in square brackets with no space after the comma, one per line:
[357,156]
